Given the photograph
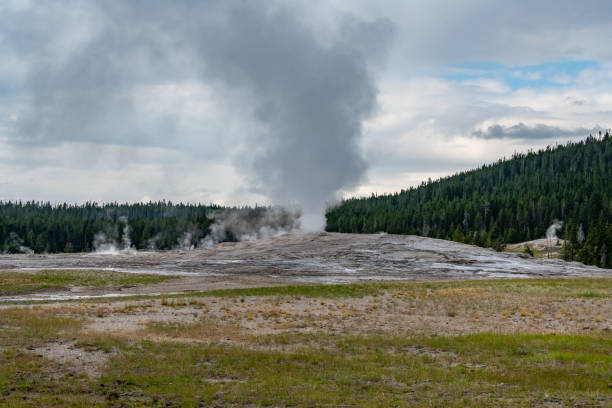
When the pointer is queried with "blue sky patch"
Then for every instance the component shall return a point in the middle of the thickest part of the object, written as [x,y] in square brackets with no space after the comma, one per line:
[551,74]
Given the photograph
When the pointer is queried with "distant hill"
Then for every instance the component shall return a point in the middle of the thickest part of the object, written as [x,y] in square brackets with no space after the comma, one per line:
[510,201]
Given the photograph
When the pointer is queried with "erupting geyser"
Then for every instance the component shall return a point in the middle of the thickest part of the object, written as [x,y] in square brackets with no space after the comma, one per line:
[302,90]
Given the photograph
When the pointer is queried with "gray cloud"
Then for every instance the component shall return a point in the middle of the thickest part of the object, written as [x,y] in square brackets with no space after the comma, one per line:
[536,132]
[517,32]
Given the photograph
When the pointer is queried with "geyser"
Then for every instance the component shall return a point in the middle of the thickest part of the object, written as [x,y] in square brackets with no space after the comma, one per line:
[301,86]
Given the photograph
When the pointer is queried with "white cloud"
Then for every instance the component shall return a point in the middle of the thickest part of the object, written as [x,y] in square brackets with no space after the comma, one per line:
[426,125]
[562,78]
[530,76]
[78,172]
[488,85]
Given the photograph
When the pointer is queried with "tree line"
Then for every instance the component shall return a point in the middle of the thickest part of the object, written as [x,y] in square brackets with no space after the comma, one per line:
[510,201]
[47,228]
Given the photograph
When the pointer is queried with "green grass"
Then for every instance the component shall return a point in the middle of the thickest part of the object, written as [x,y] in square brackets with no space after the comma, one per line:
[367,371]
[312,369]
[18,283]
[558,287]
[30,380]
[487,369]
[27,327]
[572,287]
[324,291]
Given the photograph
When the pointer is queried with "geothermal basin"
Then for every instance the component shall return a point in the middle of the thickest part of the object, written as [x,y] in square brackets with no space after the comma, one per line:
[299,258]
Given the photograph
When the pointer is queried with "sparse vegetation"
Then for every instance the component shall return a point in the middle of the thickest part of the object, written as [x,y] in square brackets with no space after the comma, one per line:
[19,283]
[560,286]
[486,369]
[290,347]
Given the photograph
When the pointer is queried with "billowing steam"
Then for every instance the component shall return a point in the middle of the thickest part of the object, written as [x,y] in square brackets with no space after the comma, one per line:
[301,88]
[551,236]
[551,232]
[580,234]
[310,99]
[105,243]
[185,242]
[249,225]
[126,242]
[14,245]
[232,224]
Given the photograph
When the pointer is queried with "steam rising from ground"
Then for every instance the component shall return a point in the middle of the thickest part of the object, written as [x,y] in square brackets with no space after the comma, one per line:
[310,100]
[551,232]
[551,235]
[301,89]
[104,243]
[580,234]
[14,244]
[234,224]
[185,242]
[249,225]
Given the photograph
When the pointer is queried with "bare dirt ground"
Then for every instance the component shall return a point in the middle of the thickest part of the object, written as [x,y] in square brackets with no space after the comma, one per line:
[302,259]
[440,312]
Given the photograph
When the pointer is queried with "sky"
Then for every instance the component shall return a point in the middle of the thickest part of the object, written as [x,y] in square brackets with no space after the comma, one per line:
[287,102]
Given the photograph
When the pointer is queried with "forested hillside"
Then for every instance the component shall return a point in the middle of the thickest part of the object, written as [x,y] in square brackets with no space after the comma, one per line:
[42,227]
[510,201]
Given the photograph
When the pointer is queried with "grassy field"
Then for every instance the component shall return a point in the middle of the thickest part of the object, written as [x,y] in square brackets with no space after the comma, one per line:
[566,287]
[587,287]
[217,359]
[19,283]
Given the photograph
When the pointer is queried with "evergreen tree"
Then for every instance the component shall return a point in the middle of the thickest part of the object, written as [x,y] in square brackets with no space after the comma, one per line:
[510,201]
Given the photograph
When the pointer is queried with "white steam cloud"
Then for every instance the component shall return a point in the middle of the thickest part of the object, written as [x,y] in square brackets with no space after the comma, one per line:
[551,232]
[14,245]
[301,90]
[249,225]
[580,234]
[185,242]
[232,224]
[104,243]
[551,236]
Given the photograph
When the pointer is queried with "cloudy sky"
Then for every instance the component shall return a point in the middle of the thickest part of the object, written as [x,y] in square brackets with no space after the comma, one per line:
[243,102]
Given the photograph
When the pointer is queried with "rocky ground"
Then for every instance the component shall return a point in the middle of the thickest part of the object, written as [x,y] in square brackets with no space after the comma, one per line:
[302,259]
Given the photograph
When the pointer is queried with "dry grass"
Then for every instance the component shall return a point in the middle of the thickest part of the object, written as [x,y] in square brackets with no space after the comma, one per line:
[19,283]
[34,326]
[413,309]
[496,343]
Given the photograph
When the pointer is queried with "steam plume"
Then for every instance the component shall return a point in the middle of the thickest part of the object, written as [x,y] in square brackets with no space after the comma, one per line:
[251,224]
[551,236]
[184,243]
[105,243]
[580,234]
[551,232]
[14,245]
[302,92]
[310,99]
